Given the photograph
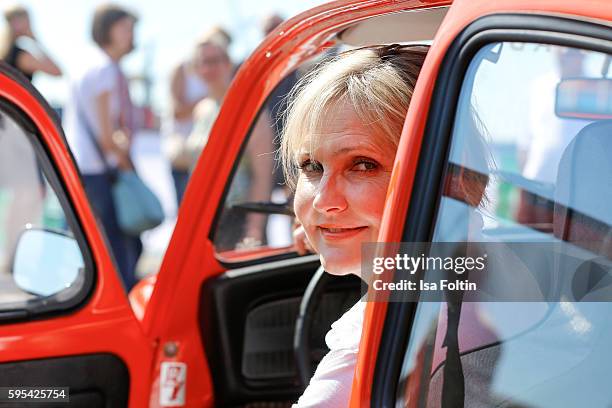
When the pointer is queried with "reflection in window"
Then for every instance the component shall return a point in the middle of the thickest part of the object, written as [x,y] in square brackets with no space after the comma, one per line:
[29,203]
[257,212]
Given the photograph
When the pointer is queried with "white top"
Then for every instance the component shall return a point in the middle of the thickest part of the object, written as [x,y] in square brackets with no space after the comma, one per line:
[331,384]
[195,90]
[99,76]
[205,113]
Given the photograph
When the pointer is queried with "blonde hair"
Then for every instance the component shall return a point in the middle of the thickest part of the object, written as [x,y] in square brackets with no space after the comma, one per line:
[377,82]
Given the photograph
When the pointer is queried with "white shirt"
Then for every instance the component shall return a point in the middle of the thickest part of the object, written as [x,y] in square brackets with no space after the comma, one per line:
[195,90]
[205,113]
[331,384]
[99,76]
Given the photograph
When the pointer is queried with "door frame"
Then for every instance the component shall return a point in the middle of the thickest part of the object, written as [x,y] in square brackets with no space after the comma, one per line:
[103,322]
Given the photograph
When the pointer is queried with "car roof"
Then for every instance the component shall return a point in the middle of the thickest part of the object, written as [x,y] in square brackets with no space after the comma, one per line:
[413,26]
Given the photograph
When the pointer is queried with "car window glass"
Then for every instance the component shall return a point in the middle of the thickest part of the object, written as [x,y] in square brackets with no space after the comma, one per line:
[257,211]
[256,219]
[520,172]
[39,257]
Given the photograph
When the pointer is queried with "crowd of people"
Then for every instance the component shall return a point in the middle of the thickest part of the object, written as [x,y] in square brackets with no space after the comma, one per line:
[100,120]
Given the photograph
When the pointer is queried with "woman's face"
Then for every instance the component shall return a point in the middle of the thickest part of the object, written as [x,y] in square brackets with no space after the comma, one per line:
[341,189]
[212,65]
[122,35]
[21,25]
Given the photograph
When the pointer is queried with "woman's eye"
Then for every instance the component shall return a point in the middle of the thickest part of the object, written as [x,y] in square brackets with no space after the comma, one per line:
[365,165]
[309,166]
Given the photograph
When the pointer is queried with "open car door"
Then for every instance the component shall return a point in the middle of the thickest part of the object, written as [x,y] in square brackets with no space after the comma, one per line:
[65,320]
[230,288]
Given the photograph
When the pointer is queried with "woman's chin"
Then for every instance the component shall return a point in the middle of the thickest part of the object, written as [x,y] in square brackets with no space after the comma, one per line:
[340,266]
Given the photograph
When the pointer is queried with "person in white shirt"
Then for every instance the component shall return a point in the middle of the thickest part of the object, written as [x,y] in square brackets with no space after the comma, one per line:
[339,141]
[99,108]
[186,90]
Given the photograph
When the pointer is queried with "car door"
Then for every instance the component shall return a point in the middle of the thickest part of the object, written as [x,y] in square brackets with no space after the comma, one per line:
[489,106]
[226,299]
[65,320]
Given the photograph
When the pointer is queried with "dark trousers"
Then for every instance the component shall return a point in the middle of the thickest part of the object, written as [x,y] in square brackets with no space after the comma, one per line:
[126,249]
[180,178]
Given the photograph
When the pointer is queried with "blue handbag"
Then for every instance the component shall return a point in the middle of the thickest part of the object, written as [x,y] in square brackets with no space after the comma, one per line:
[137,208]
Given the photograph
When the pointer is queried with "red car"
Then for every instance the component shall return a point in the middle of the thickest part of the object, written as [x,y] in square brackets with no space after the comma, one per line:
[216,325]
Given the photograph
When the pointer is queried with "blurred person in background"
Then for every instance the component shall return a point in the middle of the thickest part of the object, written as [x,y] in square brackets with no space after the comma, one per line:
[186,90]
[19,47]
[99,124]
[23,181]
[214,68]
[251,182]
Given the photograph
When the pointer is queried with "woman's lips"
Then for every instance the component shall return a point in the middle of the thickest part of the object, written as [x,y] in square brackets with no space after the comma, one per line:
[333,233]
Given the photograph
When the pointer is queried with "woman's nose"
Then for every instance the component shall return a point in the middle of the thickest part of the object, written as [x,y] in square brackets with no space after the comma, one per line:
[330,195]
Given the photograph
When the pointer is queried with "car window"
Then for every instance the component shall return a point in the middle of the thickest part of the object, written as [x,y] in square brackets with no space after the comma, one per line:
[256,210]
[256,217]
[534,179]
[39,257]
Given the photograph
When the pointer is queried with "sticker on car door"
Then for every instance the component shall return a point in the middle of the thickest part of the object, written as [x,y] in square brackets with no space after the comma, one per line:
[172,388]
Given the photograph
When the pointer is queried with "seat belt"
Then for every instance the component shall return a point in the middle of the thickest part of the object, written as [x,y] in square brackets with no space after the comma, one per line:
[453,387]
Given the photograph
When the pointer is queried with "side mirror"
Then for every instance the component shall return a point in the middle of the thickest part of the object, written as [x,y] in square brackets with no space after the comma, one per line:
[46,262]
[584,98]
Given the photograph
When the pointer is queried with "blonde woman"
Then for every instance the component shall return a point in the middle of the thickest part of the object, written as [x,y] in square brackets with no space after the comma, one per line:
[19,48]
[340,137]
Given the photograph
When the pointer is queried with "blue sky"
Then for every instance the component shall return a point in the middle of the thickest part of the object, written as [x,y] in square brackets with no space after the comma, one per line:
[165,33]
